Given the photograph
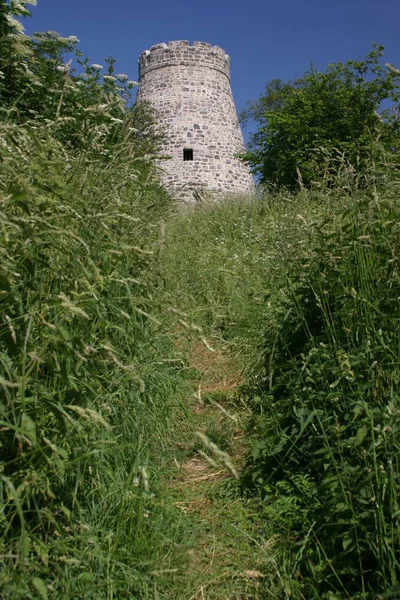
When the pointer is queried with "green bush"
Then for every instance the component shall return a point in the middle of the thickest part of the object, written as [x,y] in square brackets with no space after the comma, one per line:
[88,107]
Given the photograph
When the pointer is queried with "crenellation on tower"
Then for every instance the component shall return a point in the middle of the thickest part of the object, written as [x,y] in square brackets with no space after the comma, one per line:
[189,87]
[180,53]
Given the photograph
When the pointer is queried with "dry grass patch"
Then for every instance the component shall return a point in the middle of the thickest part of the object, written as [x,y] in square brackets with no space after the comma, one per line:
[218,369]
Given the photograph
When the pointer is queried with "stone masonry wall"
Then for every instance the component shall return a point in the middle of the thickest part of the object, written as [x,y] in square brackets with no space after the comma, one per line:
[189,86]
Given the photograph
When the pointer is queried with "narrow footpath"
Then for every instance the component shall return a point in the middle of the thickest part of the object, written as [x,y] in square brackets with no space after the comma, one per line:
[219,552]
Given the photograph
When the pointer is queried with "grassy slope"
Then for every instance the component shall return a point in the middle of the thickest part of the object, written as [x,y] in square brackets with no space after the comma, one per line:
[217,552]
[223,267]
[223,263]
[303,291]
[90,402]
[125,336]
[159,515]
[95,390]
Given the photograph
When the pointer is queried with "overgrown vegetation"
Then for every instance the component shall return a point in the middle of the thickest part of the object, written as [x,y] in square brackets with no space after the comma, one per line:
[307,293]
[87,391]
[112,304]
[326,403]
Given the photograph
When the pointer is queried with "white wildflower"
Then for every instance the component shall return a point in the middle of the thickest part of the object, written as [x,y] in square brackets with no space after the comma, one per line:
[109,78]
[15,24]
[122,76]
[72,38]
[18,7]
[97,67]
[132,83]
[61,68]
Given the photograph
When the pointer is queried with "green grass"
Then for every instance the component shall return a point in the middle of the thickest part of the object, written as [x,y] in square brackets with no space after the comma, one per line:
[304,290]
[194,404]
[95,392]
[325,458]
[113,306]
[216,551]
[88,392]
[223,263]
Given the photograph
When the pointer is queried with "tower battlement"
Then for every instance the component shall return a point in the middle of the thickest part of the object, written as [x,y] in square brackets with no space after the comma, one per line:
[181,53]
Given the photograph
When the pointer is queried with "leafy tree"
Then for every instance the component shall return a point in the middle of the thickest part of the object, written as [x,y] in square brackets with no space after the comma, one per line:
[334,111]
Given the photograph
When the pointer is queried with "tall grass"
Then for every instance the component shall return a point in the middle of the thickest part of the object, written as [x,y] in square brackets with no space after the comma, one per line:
[223,262]
[86,393]
[305,288]
[87,387]
[326,402]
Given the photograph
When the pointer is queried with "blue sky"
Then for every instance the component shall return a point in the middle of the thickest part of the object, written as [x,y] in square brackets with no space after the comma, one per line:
[265,39]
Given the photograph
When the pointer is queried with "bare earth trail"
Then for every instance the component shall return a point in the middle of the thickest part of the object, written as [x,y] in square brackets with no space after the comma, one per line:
[221,557]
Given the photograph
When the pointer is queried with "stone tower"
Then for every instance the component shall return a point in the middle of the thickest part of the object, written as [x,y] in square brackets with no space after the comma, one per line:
[189,87]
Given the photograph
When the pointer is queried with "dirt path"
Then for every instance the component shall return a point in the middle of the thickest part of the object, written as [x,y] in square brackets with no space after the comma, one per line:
[221,558]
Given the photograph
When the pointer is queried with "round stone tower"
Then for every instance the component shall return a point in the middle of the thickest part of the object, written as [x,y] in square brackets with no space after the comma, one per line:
[189,88]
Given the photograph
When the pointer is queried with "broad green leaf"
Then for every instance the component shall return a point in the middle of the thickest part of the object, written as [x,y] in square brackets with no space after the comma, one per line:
[346,543]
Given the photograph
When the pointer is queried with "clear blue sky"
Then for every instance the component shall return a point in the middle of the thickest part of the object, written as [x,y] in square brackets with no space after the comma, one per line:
[266,39]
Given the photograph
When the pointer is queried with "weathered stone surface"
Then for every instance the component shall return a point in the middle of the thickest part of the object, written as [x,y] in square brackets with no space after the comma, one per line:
[189,87]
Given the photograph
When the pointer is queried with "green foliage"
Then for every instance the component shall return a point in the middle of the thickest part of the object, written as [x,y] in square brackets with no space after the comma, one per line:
[88,111]
[79,343]
[323,113]
[327,404]
[222,260]
[86,385]
[90,387]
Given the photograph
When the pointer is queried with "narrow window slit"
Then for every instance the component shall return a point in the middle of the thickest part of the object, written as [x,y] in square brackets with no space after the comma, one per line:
[187,154]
